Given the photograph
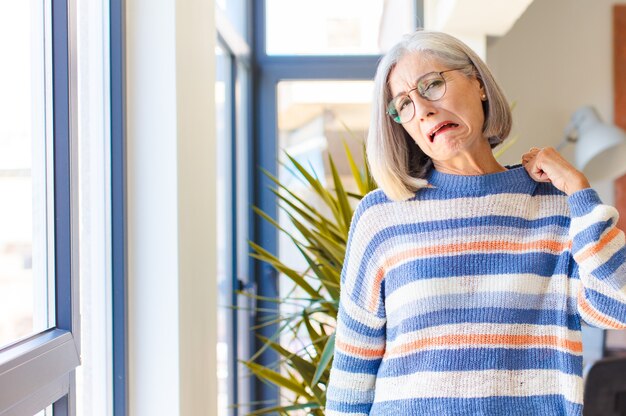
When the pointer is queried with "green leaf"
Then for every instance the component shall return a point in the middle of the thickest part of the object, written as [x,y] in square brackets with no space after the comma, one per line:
[342,199]
[356,173]
[311,405]
[325,359]
[313,335]
[281,267]
[277,379]
[305,368]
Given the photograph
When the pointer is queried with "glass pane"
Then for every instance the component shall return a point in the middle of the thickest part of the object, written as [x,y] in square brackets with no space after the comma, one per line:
[314,120]
[223,102]
[46,412]
[243,156]
[330,27]
[94,376]
[25,186]
[237,13]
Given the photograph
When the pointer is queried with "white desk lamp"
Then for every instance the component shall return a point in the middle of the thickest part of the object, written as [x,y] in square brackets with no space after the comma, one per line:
[600,147]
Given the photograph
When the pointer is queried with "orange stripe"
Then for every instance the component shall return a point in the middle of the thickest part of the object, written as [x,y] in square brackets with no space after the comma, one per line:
[489,246]
[599,246]
[458,248]
[587,308]
[380,274]
[487,339]
[360,351]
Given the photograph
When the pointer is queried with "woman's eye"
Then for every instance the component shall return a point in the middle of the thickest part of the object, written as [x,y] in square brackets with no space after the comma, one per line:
[403,103]
[435,83]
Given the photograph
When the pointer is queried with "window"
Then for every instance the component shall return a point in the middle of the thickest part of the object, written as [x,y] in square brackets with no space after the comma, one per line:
[314,120]
[315,65]
[39,346]
[329,27]
[232,98]
[223,101]
[26,276]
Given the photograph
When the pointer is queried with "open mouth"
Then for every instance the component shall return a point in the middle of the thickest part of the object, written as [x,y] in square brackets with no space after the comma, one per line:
[441,129]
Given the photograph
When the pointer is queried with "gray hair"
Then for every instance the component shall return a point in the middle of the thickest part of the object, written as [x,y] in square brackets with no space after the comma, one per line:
[397,163]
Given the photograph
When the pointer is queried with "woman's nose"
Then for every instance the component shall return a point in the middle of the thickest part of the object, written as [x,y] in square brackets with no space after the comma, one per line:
[423,107]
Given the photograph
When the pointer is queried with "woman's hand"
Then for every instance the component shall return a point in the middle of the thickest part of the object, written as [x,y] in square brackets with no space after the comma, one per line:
[547,165]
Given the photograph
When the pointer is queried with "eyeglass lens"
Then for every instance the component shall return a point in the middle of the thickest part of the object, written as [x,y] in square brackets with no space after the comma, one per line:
[430,86]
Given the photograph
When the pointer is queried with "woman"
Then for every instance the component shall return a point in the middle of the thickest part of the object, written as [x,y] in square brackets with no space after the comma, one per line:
[465,282]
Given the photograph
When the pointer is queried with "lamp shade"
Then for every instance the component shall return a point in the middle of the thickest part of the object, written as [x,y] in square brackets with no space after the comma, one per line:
[600,148]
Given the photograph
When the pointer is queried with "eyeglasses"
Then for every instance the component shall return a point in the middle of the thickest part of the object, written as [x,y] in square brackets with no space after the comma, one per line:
[431,87]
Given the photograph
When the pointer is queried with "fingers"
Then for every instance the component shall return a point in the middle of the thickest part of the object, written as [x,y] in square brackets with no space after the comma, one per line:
[526,157]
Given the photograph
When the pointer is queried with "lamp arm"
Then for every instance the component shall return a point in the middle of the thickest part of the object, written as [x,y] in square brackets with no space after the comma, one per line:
[570,135]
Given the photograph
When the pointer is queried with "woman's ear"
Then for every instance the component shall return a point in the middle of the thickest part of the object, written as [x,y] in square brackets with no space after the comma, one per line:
[482,91]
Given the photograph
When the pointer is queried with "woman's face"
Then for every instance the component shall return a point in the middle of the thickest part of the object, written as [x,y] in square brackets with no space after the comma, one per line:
[450,127]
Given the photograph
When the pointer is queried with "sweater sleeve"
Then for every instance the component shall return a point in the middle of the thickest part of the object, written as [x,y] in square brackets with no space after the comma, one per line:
[361,324]
[599,254]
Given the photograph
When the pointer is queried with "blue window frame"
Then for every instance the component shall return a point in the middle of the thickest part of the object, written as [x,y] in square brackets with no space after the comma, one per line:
[39,370]
[269,70]
[118,212]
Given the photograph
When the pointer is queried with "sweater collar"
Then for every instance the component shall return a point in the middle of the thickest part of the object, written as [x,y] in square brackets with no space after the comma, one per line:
[515,179]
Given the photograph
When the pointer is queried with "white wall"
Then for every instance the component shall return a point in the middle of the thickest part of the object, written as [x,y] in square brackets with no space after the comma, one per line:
[172,270]
[556,58]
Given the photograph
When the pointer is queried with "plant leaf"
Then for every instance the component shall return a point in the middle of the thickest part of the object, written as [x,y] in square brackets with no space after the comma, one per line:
[277,379]
[356,173]
[325,359]
[342,199]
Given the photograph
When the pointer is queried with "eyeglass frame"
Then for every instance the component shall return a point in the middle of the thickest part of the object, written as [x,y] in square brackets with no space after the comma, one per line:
[408,93]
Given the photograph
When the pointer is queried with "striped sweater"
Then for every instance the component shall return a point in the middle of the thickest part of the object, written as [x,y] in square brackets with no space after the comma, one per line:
[468,298]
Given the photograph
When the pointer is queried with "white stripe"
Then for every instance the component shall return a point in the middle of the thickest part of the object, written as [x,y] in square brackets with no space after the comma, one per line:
[361,315]
[348,336]
[466,384]
[353,381]
[602,256]
[520,283]
[590,282]
[329,412]
[599,213]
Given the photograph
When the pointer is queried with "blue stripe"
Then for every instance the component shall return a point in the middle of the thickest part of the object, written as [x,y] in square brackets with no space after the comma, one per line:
[609,270]
[485,315]
[373,198]
[348,333]
[358,327]
[442,194]
[474,359]
[351,394]
[479,221]
[353,364]
[545,405]
[541,264]
[583,202]
[546,188]
[590,234]
[606,305]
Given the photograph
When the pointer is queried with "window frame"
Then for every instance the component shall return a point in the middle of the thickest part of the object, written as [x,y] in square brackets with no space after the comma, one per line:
[237,48]
[119,256]
[39,370]
[269,70]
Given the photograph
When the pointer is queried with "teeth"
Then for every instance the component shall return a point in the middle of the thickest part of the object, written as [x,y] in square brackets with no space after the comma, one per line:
[432,136]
